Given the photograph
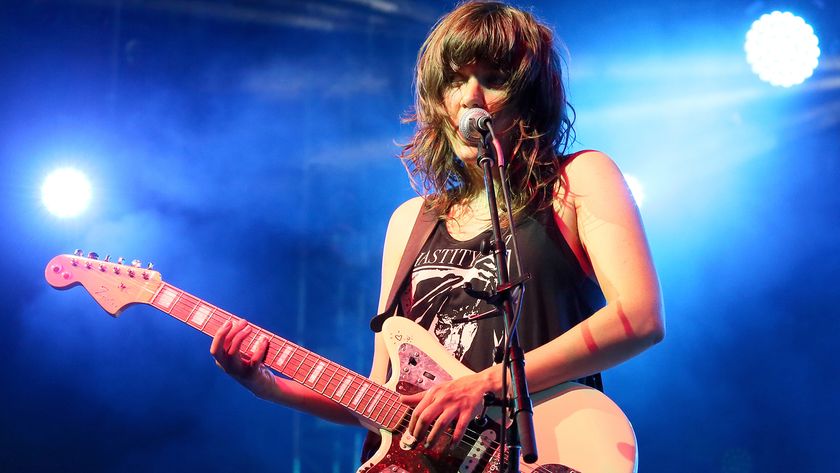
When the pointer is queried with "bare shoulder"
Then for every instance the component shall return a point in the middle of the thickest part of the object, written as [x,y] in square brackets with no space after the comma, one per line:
[406,212]
[590,170]
[396,238]
[400,226]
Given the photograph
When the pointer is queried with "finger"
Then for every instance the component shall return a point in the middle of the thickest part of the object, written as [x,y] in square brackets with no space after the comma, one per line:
[424,414]
[441,423]
[260,351]
[236,343]
[412,399]
[460,429]
[236,326]
[219,337]
[417,400]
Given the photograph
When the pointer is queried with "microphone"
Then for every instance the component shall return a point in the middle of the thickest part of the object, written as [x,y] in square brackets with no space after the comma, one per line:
[474,125]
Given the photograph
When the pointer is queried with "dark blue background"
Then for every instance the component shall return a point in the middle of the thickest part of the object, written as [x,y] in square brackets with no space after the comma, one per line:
[248,149]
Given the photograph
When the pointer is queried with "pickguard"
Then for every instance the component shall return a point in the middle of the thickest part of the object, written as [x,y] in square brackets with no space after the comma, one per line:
[418,371]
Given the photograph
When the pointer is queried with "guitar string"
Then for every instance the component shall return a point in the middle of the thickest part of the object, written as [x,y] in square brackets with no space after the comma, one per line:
[106,276]
[469,438]
[466,442]
[184,313]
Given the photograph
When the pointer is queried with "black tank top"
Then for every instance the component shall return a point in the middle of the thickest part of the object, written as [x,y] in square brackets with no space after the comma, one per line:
[558,296]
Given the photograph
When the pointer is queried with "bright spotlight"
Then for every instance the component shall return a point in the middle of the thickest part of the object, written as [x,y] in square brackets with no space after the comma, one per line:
[782,49]
[636,189]
[66,192]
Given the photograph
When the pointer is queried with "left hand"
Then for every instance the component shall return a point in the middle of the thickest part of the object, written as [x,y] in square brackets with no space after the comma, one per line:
[458,401]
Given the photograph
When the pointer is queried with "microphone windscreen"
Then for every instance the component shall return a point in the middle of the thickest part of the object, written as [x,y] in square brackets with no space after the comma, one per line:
[468,125]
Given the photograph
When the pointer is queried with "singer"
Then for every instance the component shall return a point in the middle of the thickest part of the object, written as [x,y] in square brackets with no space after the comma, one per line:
[593,300]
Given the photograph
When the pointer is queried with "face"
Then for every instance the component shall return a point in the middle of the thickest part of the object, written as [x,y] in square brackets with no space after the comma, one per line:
[476,85]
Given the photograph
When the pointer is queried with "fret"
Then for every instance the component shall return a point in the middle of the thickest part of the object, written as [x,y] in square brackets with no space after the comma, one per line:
[159,289]
[396,415]
[302,361]
[269,344]
[372,404]
[177,301]
[342,389]
[199,315]
[176,306]
[402,410]
[318,369]
[165,298]
[365,398]
[189,316]
[274,359]
[361,392]
[287,352]
[332,375]
[253,340]
[209,317]
[387,410]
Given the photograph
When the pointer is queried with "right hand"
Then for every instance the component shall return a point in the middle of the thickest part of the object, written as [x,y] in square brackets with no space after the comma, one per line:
[246,368]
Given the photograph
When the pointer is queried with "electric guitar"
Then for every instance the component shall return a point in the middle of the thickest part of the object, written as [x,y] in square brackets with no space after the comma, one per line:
[578,429]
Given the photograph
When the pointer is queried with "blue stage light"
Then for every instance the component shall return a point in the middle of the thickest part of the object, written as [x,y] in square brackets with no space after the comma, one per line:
[66,192]
[782,49]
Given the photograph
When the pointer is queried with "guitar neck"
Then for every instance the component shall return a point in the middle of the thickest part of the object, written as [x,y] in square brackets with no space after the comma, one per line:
[372,401]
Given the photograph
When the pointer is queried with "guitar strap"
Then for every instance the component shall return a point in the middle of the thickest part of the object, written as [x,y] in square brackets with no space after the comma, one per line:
[424,224]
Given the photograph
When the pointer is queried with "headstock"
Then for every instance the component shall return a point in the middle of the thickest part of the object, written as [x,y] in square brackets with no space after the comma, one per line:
[114,286]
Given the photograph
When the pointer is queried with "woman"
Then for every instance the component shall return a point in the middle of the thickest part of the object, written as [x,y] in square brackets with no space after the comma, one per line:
[594,299]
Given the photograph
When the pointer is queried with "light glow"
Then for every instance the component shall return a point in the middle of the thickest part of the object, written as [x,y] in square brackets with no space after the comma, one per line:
[782,49]
[636,189]
[66,192]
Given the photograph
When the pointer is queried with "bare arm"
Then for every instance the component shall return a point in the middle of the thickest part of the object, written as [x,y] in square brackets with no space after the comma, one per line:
[604,221]
[611,233]
[255,376]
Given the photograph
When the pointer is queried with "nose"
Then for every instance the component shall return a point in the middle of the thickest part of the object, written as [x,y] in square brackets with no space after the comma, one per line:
[472,94]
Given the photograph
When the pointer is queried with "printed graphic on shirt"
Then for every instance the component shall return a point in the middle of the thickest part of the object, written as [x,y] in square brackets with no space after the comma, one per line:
[438,300]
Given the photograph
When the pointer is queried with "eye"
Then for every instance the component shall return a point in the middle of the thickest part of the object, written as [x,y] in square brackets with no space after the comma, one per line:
[454,79]
[495,81]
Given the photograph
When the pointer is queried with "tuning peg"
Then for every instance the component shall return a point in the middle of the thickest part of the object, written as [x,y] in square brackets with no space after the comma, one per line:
[150,266]
[78,252]
[136,263]
[93,255]
[120,260]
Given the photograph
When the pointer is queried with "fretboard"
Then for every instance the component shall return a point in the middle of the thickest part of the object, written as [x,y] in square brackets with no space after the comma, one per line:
[372,401]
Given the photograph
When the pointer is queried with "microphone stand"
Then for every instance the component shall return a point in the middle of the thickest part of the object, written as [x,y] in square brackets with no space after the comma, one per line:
[522,438]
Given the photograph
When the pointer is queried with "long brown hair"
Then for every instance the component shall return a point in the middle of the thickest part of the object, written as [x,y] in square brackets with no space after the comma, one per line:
[523,49]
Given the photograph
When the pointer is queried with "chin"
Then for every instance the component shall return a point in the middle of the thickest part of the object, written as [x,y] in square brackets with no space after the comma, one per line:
[467,154]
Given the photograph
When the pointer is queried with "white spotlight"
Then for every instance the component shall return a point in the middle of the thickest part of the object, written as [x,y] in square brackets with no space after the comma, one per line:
[66,192]
[782,49]
[636,189]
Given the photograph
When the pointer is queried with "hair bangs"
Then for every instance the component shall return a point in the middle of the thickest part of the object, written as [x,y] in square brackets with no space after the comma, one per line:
[482,39]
